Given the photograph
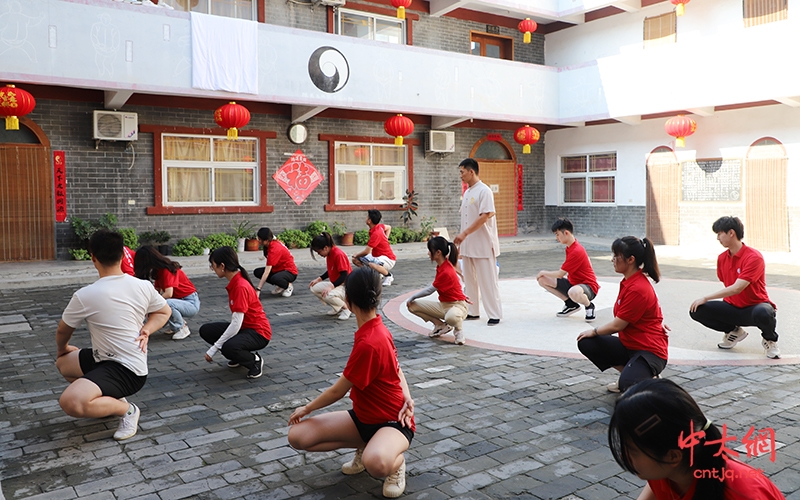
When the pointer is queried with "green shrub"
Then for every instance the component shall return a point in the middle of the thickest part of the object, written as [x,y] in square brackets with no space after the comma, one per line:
[188,247]
[396,236]
[129,237]
[361,237]
[244,229]
[295,238]
[79,254]
[317,227]
[83,228]
[338,228]
[217,240]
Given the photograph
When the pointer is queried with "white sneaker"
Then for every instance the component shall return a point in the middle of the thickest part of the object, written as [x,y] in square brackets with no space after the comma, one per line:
[771,348]
[395,484]
[182,333]
[128,424]
[355,465]
[288,291]
[460,340]
[388,279]
[277,290]
[733,337]
[613,387]
[442,329]
[344,314]
[333,311]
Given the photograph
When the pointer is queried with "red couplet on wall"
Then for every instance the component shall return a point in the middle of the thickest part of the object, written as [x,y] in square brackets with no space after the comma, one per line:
[60,185]
[494,137]
[519,188]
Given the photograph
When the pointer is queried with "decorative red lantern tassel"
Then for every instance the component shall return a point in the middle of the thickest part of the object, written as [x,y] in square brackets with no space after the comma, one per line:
[679,6]
[232,116]
[14,103]
[399,126]
[526,136]
[680,127]
[527,26]
[401,6]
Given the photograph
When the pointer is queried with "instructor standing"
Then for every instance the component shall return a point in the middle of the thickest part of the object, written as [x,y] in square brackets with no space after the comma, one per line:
[478,244]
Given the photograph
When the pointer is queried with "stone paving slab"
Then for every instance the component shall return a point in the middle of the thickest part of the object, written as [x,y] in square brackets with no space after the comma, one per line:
[505,425]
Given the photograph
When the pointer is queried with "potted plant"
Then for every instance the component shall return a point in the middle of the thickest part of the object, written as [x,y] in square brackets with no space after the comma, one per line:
[409,207]
[162,238]
[339,229]
[241,232]
[251,243]
[426,228]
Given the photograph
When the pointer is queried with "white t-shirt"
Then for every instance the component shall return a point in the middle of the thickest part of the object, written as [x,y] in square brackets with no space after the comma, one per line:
[114,309]
[483,243]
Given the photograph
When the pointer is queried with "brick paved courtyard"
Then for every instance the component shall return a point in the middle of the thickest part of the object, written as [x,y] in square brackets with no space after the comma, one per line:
[490,424]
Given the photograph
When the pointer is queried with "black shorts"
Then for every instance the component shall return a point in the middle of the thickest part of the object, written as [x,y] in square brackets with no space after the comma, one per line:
[366,431]
[112,378]
[563,286]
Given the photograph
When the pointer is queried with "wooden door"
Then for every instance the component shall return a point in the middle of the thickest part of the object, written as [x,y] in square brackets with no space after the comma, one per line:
[663,195]
[499,176]
[494,46]
[27,227]
[766,224]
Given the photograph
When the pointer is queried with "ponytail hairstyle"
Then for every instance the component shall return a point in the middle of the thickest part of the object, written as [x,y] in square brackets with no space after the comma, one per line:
[227,256]
[652,415]
[320,241]
[448,248]
[265,235]
[642,250]
[363,289]
[148,261]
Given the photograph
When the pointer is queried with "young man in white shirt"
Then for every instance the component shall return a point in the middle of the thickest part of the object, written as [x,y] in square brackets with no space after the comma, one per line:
[114,308]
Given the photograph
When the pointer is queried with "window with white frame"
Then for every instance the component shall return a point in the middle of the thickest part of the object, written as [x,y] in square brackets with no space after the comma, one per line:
[370,173]
[209,170]
[371,26]
[588,178]
[240,9]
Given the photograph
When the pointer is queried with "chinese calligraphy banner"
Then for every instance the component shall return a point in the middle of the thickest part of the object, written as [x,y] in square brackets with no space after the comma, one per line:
[60,185]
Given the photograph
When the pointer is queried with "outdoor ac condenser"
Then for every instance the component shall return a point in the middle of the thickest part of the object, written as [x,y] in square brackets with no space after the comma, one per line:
[116,126]
[440,141]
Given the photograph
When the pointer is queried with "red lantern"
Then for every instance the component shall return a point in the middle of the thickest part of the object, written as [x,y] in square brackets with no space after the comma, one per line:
[14,103]
[679,4]
[527,26]
[401,6]
[526,136]
[399,126]
[232,116]
[680,127]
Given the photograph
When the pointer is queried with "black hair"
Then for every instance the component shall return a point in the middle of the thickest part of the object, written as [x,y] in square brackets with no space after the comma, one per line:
[320,241]
[374,215]
[725,224]
[562,224]
[642,250]
[265,235]
[470,164]
[227,257]
[106,246]
[448,248]
[148,261]
[363,288]
[652,415]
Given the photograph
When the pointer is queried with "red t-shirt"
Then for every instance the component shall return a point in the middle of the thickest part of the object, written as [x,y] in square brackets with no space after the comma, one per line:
[742,482]
[637,304]
[578,267]
[379,242]
[280,258]
[242,298]
[447,283]
[747,264]
[337,262]
[372,369]
[127,261]
[180,284]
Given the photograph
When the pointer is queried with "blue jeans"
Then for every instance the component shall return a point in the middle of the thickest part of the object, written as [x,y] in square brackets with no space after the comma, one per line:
[187,306]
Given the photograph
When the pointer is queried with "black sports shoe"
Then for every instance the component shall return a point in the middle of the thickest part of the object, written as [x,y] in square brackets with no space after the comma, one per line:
[590,313]
[469,316]
[255,371]
[233,364]
[568,309]
[493,321]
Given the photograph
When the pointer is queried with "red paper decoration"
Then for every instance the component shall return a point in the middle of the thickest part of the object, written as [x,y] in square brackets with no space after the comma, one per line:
[232,116]
[399,126]
[679,127]
[527,26]
[14,103]
[60,184]
[401,6]
[520,205]
[679,5]
[526,136]
[298,177]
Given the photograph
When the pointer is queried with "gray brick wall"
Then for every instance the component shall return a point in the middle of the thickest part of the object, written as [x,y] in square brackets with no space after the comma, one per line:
[607,222]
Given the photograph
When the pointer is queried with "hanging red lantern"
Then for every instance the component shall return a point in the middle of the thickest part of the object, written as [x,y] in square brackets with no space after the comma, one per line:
[14,103]
[399,126]
[679,6]
[527,26]
[401,6]
[680,127]
[232,116]
[526,136]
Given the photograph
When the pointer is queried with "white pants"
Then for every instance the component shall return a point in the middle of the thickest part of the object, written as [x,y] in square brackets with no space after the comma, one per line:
[452,313]
[335,297]
[480,280]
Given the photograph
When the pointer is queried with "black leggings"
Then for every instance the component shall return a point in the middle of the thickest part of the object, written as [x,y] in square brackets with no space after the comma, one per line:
[723,317]
[607,351]
[281,278]
[238,348]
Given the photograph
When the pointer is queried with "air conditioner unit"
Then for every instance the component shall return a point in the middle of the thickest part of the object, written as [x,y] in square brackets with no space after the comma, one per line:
[332,3]
[116,126]
[440,141]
